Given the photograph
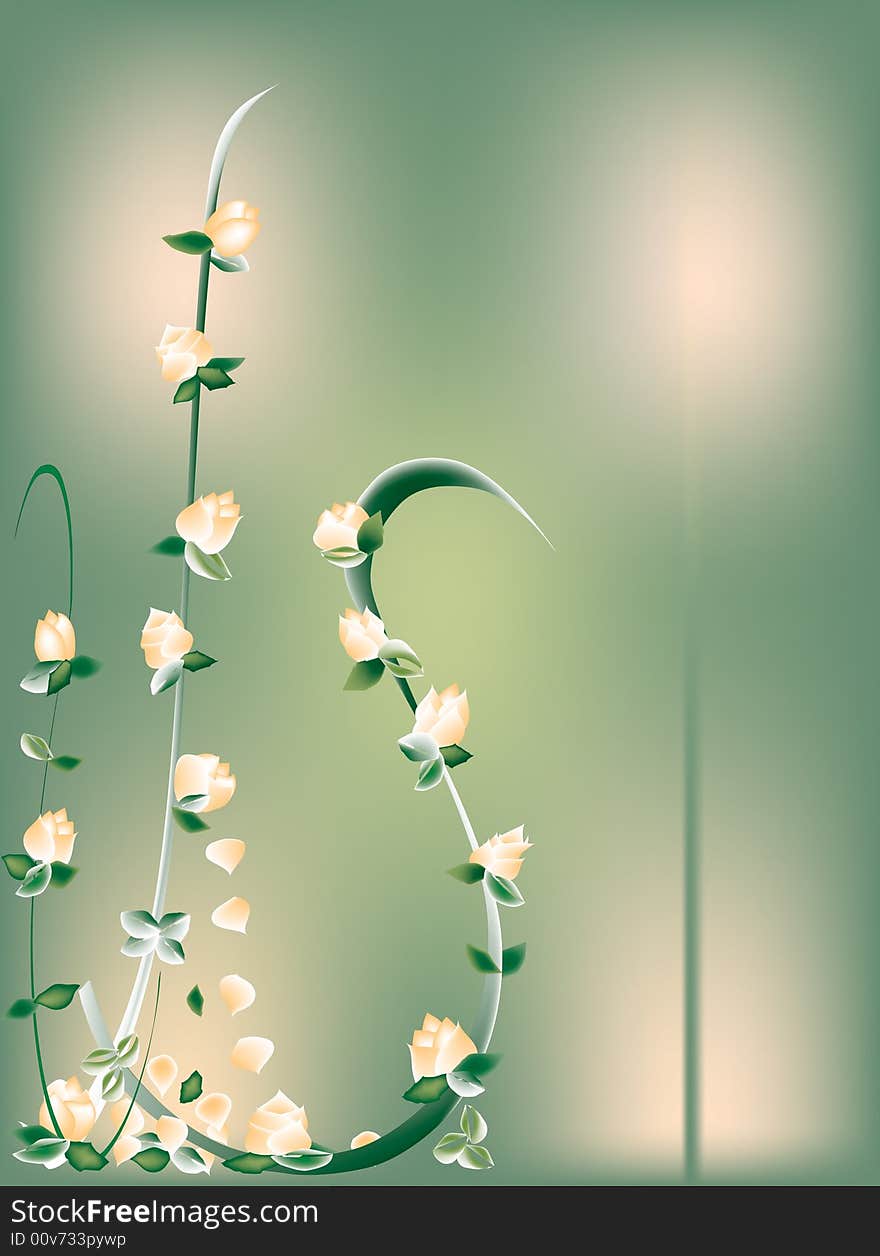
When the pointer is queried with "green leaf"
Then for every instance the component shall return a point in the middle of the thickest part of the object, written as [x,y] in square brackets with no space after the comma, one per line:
[430,775]
[512,959]
[35,747]
[467,872]
[37,680]
[35,880]
[166,677]
[344,556]
[192,1087]
[127,1049]
[83,665]
[113,1086]
[401,659]
[364,675]
[465,1084]
[426,1089]
[224,364]
[32,1133]
[64,762]
[188,1160]
[193,242]
[170,951]
[209,566]
[62,874]
[475,1158]
[248,1162]
[189,821]
[170,546]
[448,1148]
[186,390]
[56,997]
[196,661]
[153,1159]
[473,1125]
[479,1063]
[303,1161]
[212,377]
[419,747]
[60,678]
[454,756]
[18,865]
[99,1061]
[481,960]
[371,534]
[49,1152]
[233,265]
[503,891]
[195,1001]
[21,1008]
[83,1157]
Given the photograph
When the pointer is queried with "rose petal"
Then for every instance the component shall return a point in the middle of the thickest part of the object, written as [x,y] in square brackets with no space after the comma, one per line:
[227,853]
[236,993]
[252,1054]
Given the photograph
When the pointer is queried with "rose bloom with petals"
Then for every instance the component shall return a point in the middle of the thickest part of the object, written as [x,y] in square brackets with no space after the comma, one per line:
[164,638]
[503,854]
[338,527]
[233,227]
[210,521]
[278,1127]
[362,636]
[181,352]
[51,838]
[444,715]
[73,1108]
[54,638]
[438,1047]
[204,774]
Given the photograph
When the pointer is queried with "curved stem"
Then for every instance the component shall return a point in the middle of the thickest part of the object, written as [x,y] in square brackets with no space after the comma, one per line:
[134,1096]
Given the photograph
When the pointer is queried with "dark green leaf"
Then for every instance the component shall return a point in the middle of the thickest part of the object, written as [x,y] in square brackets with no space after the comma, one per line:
[224,364]
[189,821]
[32,1133]
[426,1089]
[187,390]
[84,1156]
[249,1163]
[195,1001]
[83,666]
[481,960]
[212,377]
[503,891]
[513,958]
[62,874]
[171,546]
[56,997]
[455,755]
[21,1008]
[467,872]
[479,1063]
[370,534]
[60,678]
[192,242]
[195,661]
[430,774]
[18,866]
[365,675]
[192,1087]
[153,1159]
[65,762]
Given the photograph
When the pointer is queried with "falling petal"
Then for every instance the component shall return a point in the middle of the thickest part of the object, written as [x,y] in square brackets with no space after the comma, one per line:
[252,1054]
[233,914]
[236,992]
[363,1139]
[227,853]
[162,1071]
[125,1148]
[172,1132]
[214,1109]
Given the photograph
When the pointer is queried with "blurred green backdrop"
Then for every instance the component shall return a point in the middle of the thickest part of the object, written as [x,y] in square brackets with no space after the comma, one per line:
[463,209]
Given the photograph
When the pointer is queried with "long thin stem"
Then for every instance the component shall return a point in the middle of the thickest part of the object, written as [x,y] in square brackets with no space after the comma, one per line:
[134,1096]
[37,1050]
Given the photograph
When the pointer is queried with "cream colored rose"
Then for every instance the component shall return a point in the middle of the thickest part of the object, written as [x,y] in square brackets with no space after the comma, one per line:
[233,227]
[50,837]
[362,636]
[164,638]
[338,527]
[181,352]
[204,774]
[438,1047]
[503,854]
[210,521]
[444,715]
[73,1108]
[54,638]
[278,1127]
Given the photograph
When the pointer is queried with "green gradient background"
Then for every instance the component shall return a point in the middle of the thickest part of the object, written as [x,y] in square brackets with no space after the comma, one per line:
[411,295]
